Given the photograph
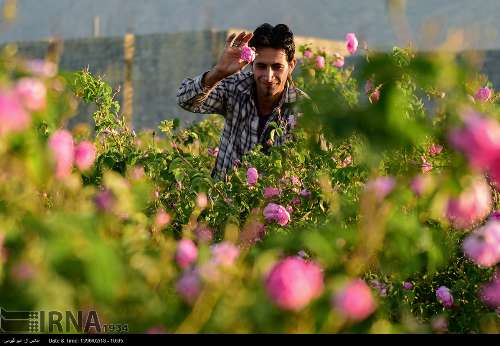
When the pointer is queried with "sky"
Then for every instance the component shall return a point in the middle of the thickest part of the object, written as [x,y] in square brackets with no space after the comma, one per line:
[331,19]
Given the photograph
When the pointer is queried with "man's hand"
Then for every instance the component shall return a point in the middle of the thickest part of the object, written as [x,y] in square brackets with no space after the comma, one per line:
[230,62]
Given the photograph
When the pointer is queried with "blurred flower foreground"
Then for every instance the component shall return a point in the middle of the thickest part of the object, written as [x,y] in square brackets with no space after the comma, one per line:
[379,215]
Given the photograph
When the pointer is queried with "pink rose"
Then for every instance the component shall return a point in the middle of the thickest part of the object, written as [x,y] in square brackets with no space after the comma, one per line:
[483,245]
[407,285]
[490,293]
[308,54]
[276,212]
[104,200]
[483,94]
[435,149]
[62,147]
[225,253]
[426,165]
[320,62]
[252,176]
[339,60]
[162,218]
[305,193]
[186,253]
[471,206]
[247,54]
[270,192]
[444,296]
[355,302]
[32,93]
[293,283]
[295,180]
[381,186]
[479,140]
[84,155]
[189,286]
[13,117]
[351,43]
[373,94]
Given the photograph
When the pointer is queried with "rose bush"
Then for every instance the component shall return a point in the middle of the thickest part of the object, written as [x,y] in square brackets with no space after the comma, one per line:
[342,229]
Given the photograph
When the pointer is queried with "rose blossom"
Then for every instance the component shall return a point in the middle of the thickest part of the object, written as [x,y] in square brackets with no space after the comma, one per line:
[351,43]
[435,149]
[162,218]
[293,283]
[252,176]
[483,94]
[479,140]
[189,286]
[62,147]
[355,301]
[32,93]
[104,200]
[443,295]
[308,54]
[483,245]
[490,293]
[381,186]
[276,212]
[426,165]
[186,253]
[320,62]
[84,155]
[247,54]
[224,253]
[13,117]
[471,206]
[373,94]
[305,193]
[407,285]
[339,60]
[270,192]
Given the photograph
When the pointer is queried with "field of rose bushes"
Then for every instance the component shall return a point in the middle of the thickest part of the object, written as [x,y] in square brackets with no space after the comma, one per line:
[378,215]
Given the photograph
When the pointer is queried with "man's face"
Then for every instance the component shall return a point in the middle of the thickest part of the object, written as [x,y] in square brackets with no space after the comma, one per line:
[271,70]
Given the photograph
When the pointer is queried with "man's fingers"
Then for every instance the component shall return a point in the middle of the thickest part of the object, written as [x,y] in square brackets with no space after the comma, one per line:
[230,39]
[247,38]
[238,42]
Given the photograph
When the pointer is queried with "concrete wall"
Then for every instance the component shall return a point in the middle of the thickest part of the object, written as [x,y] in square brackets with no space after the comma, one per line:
[160,63]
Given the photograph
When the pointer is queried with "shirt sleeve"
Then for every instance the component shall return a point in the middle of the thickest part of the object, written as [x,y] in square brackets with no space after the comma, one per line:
[194,97]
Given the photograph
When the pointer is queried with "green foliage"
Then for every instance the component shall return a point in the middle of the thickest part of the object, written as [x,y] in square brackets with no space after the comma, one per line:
[63,249]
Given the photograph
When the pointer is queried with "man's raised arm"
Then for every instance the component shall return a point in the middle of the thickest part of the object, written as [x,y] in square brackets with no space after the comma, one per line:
[207,93]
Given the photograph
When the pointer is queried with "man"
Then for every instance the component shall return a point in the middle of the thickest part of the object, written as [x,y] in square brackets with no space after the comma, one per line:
[251,100]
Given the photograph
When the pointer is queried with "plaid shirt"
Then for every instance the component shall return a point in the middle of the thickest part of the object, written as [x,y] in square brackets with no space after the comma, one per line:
[234,98]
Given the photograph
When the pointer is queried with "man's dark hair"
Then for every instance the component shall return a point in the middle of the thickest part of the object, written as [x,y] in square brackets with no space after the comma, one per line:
[279,37]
